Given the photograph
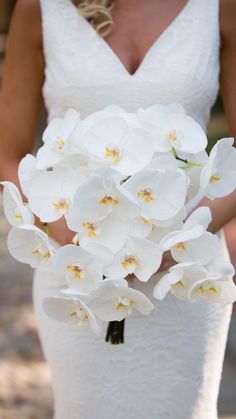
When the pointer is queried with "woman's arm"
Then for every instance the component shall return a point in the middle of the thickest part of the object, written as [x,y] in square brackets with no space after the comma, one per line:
[20,96]
[20,93]
[224,209]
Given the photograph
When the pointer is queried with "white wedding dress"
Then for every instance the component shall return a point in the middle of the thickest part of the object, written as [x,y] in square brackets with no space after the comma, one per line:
[170,364]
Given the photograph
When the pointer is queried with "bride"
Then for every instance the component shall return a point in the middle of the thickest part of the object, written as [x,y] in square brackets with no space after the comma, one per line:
[86,55]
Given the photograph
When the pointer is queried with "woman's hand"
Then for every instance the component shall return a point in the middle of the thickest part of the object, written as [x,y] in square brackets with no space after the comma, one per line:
[57,231]
[167,262]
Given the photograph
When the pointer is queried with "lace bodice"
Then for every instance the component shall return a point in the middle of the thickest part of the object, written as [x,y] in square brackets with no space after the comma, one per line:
[84,73]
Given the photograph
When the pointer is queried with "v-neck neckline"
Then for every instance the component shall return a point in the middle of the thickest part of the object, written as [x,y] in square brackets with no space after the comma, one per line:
[155,44]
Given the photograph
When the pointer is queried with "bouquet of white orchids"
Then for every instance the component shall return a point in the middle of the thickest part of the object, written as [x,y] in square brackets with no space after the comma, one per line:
[126,184]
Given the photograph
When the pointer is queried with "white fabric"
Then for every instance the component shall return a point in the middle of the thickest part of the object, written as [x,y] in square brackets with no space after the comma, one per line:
[170,365]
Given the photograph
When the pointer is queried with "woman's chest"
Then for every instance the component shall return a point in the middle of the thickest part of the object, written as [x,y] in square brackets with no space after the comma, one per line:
[138,26]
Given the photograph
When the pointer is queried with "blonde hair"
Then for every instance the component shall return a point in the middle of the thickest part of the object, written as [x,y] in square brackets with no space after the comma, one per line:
[98,14]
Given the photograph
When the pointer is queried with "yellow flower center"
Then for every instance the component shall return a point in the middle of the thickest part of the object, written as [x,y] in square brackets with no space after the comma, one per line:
[90,228]
[108,200]
[44,256]
[203,289]
[81,315]
[60,144]
[113,154]
[123,302]
[145,195]
[18,216]
[180,283]
[61,206]
[129,261]
[172,136]
[77,271]
[181,246]
[73,313]
[214,179]
[145,221]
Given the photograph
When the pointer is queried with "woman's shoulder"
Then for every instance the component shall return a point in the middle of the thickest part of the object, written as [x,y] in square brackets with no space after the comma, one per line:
[227,20]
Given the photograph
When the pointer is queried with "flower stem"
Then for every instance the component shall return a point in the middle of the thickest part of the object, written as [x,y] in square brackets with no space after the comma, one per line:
[188,164]
[115,332]
[124,180]
[191,164]
[183,160]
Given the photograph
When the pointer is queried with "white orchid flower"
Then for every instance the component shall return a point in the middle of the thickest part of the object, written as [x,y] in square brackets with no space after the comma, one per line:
[164,161]
[201,215]
[155,230]
[179,280]
[172,128]
[189,281]
[176,220]
[161,230]
[213,291]
[192,164]
[201,249]
[113,143]
[110,111]
[57,139]
[114,300]
[101,252]
[28,244]
[152,116]
[101,195]
[110,232]
[77,162]
[220,267]
[218,286]
[138,256]
[72,311]
[81,269]
[27,172]
[140,227]
[115,110]
[16,211]
[160,194]
[51,193]
[193,243]
[218,177]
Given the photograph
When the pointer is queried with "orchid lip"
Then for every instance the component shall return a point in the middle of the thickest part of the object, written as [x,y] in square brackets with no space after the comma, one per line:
[90,228]
[130,261]
[76,271]
[146,195]
[113,154]
[61,206]
[60,144]
[18,215]
[181,246]
[108,200]
[214,178]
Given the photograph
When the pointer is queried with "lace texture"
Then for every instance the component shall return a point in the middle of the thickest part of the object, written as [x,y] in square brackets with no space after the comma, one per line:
[170,365]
